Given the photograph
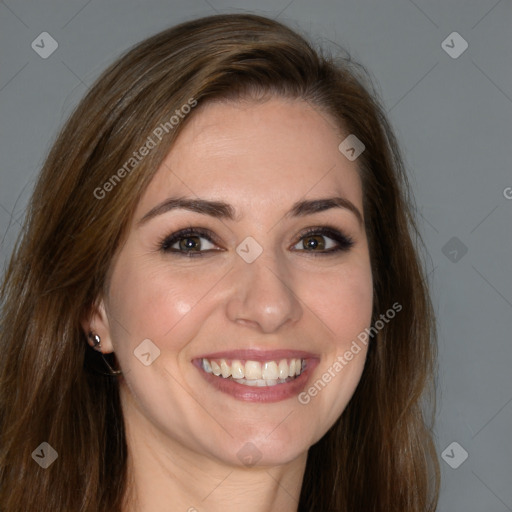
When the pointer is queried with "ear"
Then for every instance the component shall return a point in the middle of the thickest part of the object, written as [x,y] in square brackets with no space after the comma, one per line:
[96,321]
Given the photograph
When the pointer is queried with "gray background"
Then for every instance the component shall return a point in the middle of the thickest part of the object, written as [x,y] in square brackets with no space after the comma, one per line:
[452,117]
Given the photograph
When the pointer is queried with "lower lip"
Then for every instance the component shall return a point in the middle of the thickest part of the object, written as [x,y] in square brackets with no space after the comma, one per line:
[274,393]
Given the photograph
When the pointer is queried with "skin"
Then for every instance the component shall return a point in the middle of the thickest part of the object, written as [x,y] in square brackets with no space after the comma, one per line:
[183,435]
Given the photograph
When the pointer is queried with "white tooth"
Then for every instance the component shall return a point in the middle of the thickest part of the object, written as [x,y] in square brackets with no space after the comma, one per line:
[237,370]
[298,366]
[269,370]
[249,382]
[291,370]
[225,369]
[252,370]
[260,383]
[206,366]
[283,369]
[215,368]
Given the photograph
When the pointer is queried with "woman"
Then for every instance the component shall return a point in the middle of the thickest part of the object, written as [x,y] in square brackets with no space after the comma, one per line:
[217,301]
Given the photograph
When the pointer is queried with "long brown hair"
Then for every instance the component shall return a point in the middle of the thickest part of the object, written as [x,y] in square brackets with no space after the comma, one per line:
[379,455]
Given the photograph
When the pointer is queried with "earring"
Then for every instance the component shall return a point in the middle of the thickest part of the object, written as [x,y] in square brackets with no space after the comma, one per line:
[95,339]
[97,344]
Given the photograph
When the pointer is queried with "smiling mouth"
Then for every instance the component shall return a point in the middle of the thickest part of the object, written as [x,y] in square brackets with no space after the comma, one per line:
[255,373]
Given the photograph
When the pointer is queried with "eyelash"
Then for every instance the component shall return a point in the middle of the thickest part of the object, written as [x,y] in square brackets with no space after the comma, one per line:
[344,242]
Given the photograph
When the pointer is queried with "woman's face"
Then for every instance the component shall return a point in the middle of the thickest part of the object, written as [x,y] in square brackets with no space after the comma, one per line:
[265,275]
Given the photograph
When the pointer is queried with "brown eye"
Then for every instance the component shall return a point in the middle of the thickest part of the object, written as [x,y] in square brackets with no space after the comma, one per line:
[190,243]
[313,242]
[323,240]
[187,242]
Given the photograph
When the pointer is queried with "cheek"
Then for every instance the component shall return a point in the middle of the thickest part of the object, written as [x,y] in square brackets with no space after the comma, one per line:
[158,301]
[344,305]
[343,302]
[148,302]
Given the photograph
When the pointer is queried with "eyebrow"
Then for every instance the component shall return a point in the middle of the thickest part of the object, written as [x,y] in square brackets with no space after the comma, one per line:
[221,210]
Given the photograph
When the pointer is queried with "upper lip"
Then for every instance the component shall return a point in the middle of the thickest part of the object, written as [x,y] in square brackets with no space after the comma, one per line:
[259,355]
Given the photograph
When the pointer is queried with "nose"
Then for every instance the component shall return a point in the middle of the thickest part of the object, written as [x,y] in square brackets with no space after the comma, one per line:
[263,297]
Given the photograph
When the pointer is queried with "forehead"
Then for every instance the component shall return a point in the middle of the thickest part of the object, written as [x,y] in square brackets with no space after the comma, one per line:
[257,154]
